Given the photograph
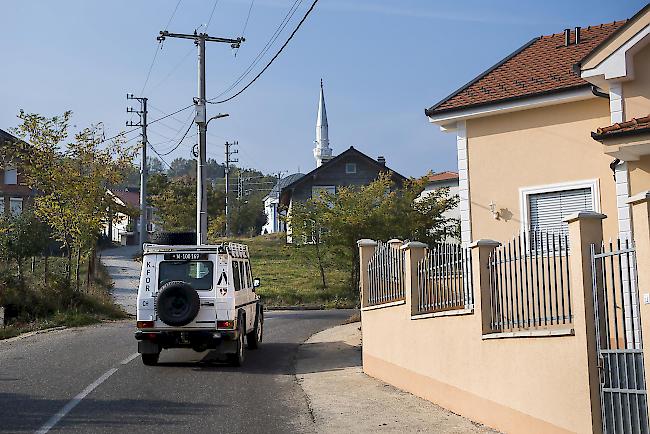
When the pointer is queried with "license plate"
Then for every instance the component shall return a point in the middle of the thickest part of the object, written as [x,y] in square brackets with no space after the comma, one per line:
[186,256]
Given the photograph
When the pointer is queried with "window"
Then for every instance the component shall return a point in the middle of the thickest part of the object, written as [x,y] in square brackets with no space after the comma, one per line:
[197,273]
[547,207]
[11,176]
[249,281]
[242,271]
[317,190]
[236,277]
[350,167]
[16,205]
[2,206]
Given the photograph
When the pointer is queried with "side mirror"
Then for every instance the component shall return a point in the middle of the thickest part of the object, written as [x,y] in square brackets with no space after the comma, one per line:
[256,282]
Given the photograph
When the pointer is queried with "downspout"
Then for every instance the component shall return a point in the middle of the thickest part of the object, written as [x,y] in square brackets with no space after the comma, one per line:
[596,91]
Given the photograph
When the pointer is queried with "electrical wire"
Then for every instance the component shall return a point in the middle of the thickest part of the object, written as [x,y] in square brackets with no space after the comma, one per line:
[245,24]
[304,18]
[266,48]
[159,156]
[211,14]
[180,141]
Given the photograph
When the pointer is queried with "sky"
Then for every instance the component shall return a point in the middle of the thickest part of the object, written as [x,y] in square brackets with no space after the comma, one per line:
[382,63]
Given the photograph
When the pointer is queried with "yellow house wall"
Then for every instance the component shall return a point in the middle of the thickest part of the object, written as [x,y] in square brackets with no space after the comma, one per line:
[446,361]
[636,92]
[537,147]
[639,175]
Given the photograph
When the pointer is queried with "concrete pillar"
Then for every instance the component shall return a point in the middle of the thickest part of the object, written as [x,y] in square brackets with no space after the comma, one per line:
[481,250]
[414,252]
[585,229]
[641,220]
[366,250]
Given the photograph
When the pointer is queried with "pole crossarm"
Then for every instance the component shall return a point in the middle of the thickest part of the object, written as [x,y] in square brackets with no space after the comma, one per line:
[235,43]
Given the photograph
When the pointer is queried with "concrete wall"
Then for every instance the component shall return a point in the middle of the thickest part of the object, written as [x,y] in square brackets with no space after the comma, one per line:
[541,384]
[530,148]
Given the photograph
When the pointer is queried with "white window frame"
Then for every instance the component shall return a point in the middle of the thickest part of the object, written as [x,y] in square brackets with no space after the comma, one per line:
[16,200]
[2,205]
[526,192]
[348,172]
[7,170]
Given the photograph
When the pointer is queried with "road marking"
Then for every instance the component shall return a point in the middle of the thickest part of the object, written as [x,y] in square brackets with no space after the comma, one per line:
[74,402]
[129,359]
[77,399]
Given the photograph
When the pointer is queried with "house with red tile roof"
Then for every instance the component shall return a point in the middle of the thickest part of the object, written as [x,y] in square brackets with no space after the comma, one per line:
[124,228]
[14,193]
[539,133]
[535,324]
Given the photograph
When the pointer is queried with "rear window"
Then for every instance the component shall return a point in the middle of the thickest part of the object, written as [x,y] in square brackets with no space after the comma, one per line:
[196,273]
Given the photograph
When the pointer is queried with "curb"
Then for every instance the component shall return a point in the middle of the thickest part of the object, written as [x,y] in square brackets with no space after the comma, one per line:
[34,333]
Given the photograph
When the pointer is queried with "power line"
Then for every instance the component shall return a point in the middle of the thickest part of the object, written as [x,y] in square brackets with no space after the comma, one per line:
[181,140]
[211,14]
[311,8]
[266,48]
[156,152]
[152,122]
[173,13]
[245,23]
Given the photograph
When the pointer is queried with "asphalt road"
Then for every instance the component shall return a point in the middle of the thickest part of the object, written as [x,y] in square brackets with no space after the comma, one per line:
[41,375]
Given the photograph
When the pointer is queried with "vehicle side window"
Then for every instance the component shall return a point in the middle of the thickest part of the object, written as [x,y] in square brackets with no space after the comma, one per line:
[236,277]
[249,280]
[242,270]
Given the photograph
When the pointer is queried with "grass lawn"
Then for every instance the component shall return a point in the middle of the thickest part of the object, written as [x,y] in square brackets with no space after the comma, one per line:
[290,277]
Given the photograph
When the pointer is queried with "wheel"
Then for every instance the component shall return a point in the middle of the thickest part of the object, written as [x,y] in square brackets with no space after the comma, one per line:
[254,338]
[177,303]
[174,238]
[237,359]
[150,359]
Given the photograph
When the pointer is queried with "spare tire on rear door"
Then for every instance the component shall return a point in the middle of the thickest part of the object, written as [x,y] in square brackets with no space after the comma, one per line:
[177,303]
[174,238]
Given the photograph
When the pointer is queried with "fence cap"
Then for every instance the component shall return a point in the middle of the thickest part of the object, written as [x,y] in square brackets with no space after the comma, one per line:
[639,198]
[394,241]
[414,245]
[584,215]
[366,243]
[484,243]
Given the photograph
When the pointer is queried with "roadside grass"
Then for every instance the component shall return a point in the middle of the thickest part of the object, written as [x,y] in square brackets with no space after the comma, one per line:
[290,278]
[34,305]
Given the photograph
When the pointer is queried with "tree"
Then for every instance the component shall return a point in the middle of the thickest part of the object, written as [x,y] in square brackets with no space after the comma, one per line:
[377,211]
[73,180]
[307,227]
[22,236]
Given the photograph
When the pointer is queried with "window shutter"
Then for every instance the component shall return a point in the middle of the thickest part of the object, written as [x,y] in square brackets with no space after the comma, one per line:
[547,210]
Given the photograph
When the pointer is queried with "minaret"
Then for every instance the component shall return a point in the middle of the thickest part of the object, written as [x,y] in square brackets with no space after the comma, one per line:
[322,151]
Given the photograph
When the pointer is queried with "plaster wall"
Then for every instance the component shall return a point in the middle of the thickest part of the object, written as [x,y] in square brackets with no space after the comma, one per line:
[636,92]
[536,147]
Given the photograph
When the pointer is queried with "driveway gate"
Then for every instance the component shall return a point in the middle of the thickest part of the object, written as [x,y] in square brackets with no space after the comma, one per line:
[623,395]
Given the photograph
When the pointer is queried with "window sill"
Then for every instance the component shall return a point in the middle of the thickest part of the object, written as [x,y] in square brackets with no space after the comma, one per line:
[456,312]
[530,334]
[381,306]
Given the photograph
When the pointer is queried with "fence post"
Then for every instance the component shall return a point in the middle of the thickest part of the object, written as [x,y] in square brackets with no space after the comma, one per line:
[641,220]
[414,252]
[366,250]
[585,229]
[481,250]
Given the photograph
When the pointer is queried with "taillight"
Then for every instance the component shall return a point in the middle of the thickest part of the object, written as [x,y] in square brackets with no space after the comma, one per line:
[144,324]
[226,324]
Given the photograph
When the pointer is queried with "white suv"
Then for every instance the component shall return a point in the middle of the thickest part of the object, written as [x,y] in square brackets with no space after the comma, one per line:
[200,297]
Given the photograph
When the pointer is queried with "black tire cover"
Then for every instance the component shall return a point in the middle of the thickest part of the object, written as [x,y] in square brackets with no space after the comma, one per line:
[177,303]
[174,238]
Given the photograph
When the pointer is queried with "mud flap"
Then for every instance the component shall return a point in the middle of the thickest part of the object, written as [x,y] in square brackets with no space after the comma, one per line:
[146,347]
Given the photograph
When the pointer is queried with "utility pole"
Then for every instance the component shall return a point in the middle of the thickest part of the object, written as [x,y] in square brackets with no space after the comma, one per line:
[228,154]
[143,165]
[202,124]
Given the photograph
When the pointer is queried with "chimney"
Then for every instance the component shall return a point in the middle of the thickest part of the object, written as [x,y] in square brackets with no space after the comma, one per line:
[381,160]
[567,37]
[577,30]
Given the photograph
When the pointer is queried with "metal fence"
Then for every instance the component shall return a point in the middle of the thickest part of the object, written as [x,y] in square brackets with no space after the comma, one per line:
[529,282]
[386,274]
[619,342]
[445,279]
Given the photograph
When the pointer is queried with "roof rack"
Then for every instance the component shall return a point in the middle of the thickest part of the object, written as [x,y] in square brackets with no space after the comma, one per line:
[237,250]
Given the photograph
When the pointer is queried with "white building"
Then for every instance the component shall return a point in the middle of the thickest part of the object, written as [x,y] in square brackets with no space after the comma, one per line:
[322,151]
[274,216]
[448,180]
